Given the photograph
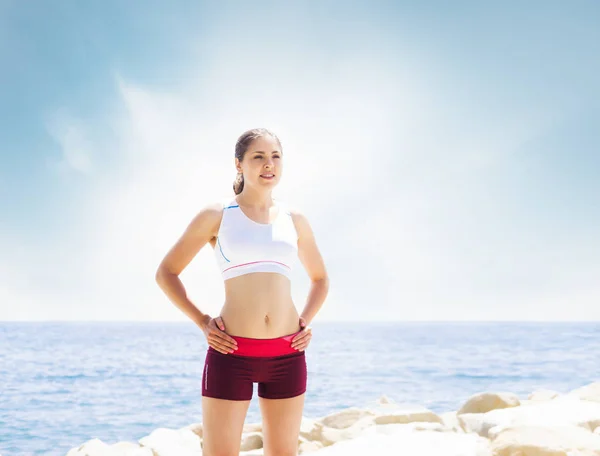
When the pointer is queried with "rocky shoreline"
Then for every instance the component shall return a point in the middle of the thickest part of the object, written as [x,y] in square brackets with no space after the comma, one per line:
[547,423]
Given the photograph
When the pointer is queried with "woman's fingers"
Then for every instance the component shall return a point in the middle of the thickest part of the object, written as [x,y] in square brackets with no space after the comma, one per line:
[220,349]
[302,341]
[223,341]
[220,345]
[227,338]
[301,346]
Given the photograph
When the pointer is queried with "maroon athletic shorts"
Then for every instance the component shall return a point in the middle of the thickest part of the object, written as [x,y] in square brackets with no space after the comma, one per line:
[279,370]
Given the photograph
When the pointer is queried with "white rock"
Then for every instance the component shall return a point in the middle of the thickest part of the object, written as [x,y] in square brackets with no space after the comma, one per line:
[93,447]
[345,418]
[404,414]
[484,402]
[307,447]
[450,420]
[425,426]
[171,442]
[329,435]
[385,443]
[252,427]
[561,411]
[348,423]
[589,392]
[196,428]
[543,395]
[310,429]
[385,400]
[405,428]
[477,423]
[251,441]
[130,449]
[96,447]
[541,441]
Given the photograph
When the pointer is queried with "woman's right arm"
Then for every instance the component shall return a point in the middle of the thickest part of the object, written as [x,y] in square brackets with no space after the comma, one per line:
[200,230]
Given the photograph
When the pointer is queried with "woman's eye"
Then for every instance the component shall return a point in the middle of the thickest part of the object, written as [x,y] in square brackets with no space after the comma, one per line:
[258,156]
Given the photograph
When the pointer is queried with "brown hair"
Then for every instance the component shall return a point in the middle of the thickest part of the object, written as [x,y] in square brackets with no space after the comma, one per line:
[241,146]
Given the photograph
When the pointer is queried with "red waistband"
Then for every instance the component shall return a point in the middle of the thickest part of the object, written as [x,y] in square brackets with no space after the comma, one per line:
[248,346]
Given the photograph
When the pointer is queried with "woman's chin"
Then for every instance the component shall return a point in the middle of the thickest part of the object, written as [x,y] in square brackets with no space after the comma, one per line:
[271,181]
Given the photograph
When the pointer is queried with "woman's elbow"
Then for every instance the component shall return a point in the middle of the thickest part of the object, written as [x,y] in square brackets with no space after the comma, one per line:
[323,280]
[161,273]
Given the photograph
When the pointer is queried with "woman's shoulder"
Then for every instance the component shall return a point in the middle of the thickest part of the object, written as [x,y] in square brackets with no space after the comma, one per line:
[217,205]
[213,210]
[296,214]
[289,208]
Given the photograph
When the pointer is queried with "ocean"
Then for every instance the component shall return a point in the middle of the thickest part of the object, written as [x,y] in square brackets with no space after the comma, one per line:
[62,384]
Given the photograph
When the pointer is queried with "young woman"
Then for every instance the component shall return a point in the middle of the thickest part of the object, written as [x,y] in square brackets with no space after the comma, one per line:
[258,336]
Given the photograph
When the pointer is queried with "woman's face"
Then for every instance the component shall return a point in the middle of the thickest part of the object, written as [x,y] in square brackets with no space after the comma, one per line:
[262,164]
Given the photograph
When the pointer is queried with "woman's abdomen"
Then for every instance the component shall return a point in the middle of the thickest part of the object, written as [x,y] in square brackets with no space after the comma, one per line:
[259,305]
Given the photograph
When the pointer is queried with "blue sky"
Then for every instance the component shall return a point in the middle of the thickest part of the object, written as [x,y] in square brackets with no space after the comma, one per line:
[446,154]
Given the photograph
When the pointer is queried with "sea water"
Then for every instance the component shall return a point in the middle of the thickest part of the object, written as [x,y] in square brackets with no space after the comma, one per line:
[62,384]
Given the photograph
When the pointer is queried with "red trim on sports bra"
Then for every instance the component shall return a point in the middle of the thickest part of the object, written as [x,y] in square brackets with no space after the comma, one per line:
[254,262]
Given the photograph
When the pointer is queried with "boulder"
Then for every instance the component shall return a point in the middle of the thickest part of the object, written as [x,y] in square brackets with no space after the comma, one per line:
[345,418]
[171,442]
[96,447]
[311,430]
[307,447]
[543,395]
[484,402]
[251,441]
[196,428]
[450,420]
[330,435]
[404,415]
[394,440]
[561,411]
[544,440]
[252,427]
[589,392]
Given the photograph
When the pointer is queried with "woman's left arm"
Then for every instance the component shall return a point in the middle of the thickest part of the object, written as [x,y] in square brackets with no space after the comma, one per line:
[311,259]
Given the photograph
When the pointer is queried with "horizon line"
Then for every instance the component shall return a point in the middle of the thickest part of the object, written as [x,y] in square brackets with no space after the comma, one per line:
[313,322]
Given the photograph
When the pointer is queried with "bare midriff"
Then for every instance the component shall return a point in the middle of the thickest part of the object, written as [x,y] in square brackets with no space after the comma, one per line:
[259,305]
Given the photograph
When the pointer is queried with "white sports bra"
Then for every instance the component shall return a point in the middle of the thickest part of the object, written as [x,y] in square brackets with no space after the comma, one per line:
[244,246]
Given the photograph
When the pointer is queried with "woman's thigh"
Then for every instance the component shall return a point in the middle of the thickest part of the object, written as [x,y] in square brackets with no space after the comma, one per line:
[281,398]
[281,425]
[222,426]
[227,384]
